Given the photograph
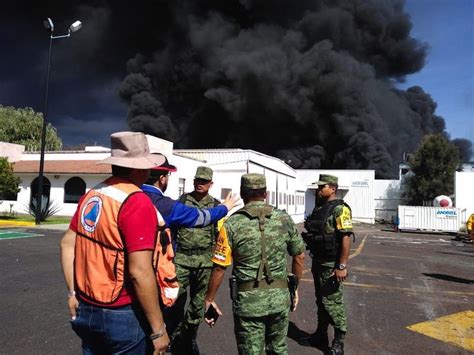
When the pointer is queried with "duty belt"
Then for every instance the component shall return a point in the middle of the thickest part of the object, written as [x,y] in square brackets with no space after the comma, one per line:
[190,252]
[253,285]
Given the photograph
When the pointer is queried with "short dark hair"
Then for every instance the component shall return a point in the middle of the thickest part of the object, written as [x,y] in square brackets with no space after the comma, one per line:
[155,175]
[121,171]
[245,192]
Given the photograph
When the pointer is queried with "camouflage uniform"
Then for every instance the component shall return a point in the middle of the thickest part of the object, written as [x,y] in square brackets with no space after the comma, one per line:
[260,314]
[329,292]
[193,267]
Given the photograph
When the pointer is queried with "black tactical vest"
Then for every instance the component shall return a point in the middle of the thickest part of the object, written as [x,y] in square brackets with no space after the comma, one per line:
[324,246]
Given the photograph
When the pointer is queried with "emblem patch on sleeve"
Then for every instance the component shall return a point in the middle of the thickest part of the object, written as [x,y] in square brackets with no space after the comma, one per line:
[222,251]
[344,220]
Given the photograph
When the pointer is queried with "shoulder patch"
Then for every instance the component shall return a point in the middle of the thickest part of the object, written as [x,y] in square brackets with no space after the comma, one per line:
[90,213]
[344,219]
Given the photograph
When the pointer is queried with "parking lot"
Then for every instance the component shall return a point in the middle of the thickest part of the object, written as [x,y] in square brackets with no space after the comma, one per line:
[407,293]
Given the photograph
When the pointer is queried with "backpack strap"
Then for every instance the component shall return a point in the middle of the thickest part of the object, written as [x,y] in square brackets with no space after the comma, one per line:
[262,213]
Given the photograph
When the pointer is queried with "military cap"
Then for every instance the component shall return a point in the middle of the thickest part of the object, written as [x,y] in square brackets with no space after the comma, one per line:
[253,181]
[204,173]
[325,179]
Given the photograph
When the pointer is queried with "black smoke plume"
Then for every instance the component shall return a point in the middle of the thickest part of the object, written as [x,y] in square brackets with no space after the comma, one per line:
[312,82]
[309,81]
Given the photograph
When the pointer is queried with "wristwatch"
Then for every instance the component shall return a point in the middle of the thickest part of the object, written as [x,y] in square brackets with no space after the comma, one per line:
[341,266]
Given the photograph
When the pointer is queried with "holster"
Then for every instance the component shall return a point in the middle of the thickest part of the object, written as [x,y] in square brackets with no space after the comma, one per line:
[233,288]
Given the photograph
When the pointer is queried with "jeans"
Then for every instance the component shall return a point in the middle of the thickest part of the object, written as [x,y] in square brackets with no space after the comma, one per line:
[120,330]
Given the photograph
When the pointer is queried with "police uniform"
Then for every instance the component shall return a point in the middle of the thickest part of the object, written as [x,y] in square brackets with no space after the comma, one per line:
[326,227]
[193,269]
[262,301]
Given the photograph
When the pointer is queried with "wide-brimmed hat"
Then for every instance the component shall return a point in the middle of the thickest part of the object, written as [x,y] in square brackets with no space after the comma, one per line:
[166,166]
[130,150]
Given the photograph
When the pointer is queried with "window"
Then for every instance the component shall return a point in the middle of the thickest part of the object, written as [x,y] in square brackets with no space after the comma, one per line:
[273,198]
[74,188]
[34,188]
[267,199]
[181,185]
[225,192]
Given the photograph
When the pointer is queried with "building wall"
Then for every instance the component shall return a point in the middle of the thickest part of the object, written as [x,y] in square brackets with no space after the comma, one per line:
[464,191]
[387,198]
[356,187]
[56,192]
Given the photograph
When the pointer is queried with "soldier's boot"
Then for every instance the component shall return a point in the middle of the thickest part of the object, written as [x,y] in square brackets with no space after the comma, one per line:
[318,339]
[337,347]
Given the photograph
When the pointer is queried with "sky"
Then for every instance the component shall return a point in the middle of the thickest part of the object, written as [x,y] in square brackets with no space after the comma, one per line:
[84,104]
[448,75]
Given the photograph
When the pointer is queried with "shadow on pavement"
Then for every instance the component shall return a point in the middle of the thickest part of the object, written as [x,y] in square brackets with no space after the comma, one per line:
[450,278]
[296,334]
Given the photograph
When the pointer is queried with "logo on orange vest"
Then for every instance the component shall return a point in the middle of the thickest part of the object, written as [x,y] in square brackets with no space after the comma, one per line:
[91,213]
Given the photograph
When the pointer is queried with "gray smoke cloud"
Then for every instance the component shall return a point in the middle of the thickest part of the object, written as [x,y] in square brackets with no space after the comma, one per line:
[312,82]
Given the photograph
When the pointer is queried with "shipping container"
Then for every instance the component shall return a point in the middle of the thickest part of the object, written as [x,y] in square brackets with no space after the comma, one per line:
[432,219]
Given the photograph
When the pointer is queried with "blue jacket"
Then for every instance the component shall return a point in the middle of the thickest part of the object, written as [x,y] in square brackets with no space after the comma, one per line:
[178,215]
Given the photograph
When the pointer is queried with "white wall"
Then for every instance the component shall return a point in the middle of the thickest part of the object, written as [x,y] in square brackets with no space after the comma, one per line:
[387,198]
[56,192]
[186,170]
[464,191]
[355,186]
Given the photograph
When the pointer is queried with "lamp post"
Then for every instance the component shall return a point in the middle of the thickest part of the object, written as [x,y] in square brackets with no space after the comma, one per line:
[48,24]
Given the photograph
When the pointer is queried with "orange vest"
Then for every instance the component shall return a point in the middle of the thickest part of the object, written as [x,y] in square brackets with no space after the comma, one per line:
[163,258]
[99,262]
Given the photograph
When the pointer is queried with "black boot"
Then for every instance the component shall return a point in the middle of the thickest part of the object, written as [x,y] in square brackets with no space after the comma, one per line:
[337,347]
[318,339]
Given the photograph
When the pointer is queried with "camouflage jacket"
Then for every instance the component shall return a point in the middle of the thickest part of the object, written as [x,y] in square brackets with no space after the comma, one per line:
[194,245]
[239,243]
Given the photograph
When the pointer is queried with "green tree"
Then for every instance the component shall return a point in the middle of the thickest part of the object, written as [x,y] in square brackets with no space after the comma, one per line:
[8,181]
[23,126]
[433,166]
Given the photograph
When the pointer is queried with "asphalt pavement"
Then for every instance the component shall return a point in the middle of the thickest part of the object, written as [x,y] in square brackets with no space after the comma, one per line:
[407,293]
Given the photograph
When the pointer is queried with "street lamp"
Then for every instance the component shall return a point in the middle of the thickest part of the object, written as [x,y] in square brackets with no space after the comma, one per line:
[49,25]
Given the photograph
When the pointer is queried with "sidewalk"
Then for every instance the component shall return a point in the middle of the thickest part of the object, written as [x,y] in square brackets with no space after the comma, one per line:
[23,224]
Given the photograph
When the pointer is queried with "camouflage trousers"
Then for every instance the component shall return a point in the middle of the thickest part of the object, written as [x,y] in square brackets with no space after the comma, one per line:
[329,298]
[186,322]
[260,335]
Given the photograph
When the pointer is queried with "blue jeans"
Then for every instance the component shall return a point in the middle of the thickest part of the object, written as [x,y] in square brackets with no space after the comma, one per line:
[120,330]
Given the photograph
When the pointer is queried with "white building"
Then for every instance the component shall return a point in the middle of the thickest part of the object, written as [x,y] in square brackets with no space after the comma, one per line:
[464,191]
[69,174]
[356,187]
[229,164]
